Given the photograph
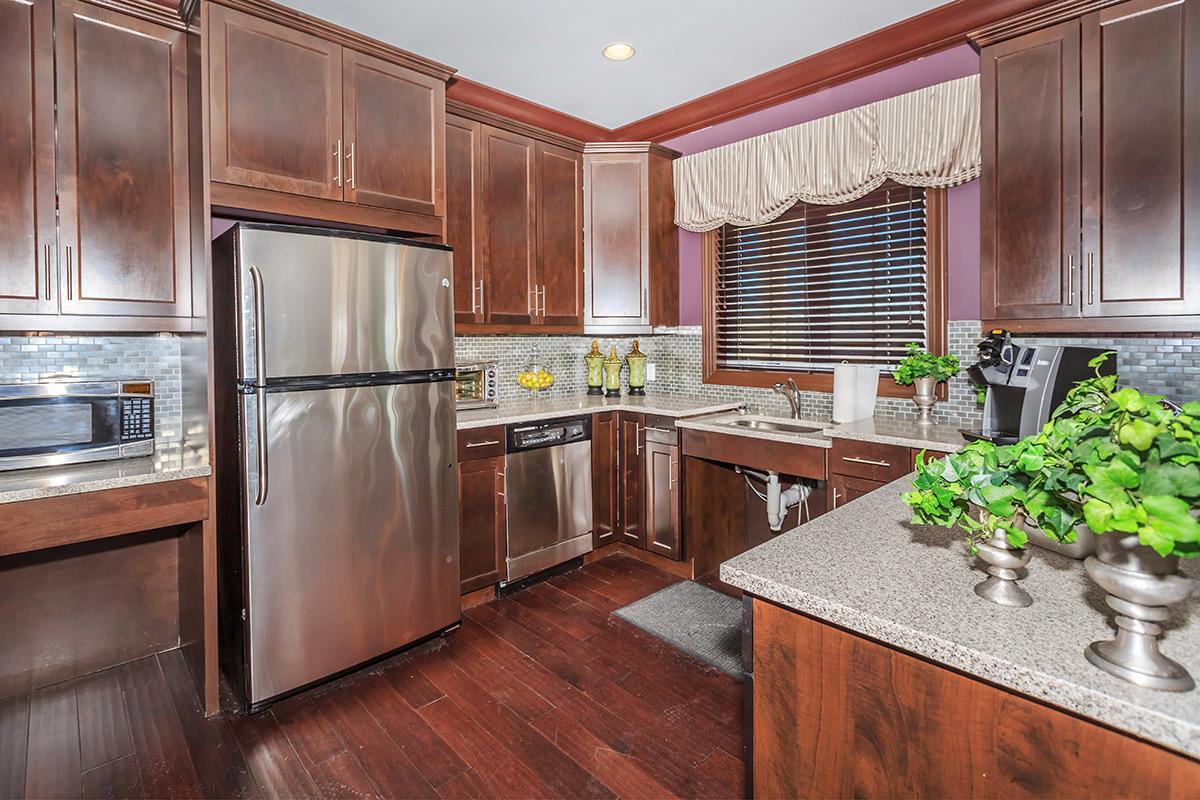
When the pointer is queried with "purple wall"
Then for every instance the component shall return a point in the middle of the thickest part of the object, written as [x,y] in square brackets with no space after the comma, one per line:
[962,201]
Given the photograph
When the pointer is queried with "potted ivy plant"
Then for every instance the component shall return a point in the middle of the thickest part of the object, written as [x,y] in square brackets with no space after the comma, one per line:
[923,371]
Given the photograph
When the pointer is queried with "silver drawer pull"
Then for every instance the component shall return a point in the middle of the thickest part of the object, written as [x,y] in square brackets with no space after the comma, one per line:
[856,460]
[659,430]
[483,444]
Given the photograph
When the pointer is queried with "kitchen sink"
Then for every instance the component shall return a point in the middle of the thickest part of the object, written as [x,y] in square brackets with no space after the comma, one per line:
[771,425]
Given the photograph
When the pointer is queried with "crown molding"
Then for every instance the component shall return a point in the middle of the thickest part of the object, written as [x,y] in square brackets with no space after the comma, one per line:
[479,96]
[935,30]
[542,134]
[1035,19]
[631,147]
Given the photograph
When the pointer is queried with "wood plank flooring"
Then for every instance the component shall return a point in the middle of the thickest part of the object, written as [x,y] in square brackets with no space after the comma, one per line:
[542,694]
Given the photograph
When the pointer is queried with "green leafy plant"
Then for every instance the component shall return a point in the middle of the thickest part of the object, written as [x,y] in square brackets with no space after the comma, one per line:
[920,363]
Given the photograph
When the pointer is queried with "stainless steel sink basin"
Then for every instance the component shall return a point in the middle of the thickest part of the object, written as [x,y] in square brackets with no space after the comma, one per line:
[771,425]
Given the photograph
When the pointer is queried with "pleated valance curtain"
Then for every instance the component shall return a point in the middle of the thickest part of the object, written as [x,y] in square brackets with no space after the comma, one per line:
[929,137]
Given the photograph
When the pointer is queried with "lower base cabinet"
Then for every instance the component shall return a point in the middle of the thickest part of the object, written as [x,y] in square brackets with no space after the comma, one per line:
[662,496]
[631,472]
[605,480]
[856,468]
[482,520]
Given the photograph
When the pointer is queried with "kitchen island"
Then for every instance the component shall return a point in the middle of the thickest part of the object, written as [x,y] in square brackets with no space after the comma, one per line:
[888,676]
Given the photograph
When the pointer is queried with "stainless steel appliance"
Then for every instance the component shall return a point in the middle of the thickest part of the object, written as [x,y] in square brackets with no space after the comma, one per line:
[548,494]
[477,384]
[345,414]
[1025,384]
[68,422]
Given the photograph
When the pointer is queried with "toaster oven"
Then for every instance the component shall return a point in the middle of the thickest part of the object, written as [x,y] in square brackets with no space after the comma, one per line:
[46,424]
[478,384]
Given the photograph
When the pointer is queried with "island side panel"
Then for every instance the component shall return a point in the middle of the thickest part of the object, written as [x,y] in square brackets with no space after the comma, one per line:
[839,715]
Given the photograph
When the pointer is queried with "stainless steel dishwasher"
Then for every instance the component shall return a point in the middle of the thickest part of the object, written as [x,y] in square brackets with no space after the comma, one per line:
[548,493]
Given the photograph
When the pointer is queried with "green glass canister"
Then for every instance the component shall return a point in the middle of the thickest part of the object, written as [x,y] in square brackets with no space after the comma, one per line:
[636,360]
[612,374]
[595,369]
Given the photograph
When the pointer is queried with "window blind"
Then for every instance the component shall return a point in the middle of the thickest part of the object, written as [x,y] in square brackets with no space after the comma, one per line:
[824,284]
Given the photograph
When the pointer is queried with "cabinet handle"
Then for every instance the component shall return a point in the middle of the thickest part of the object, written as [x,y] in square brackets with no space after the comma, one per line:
[70,273]
[835,498]
[1070,274]
[337,159]
[500,475]
[481,297]
[1091,263]
[637,437]
[671,474]
[46,268]
[541,295]
[857,460]
[352,181]
[483,443]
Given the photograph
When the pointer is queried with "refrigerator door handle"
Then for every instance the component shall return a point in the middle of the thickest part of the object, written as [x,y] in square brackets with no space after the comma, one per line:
[260,382]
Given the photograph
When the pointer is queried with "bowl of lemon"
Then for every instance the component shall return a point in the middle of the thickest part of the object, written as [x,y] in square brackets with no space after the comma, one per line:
[535,378]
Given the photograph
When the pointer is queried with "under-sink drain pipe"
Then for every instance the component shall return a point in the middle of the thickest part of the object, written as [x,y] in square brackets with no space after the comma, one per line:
[778,500]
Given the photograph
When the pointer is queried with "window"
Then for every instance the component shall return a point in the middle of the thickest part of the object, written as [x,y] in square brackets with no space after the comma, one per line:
[824,284]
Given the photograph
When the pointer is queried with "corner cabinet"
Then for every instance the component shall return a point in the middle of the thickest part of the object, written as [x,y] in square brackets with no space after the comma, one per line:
[115,160]
[631,246]
[304,123]
[514,216]
[1091,169]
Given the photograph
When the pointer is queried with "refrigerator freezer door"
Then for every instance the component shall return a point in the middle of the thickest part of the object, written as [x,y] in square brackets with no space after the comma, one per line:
[335,305]
[354,549]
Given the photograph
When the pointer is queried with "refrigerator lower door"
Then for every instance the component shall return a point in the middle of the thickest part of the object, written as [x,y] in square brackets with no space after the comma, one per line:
[351,528]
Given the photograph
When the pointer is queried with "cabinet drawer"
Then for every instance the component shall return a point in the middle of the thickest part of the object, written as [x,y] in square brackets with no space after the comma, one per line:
[661,429]
[870,460]
[476,443]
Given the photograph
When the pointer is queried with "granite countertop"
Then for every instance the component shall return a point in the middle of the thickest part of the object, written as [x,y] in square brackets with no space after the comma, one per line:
[171,461]
[864,567]
[905,433]
[550,408]
[723,423]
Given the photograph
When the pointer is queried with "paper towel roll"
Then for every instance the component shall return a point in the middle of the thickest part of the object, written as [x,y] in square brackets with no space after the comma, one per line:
[845,392]
[866,390]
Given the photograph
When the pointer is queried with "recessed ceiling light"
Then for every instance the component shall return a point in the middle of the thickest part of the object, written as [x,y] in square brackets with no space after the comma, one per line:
[619,51]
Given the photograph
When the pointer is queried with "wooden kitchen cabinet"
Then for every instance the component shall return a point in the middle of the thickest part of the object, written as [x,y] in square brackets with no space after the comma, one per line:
[464,207]
[559,235]
[1091,169]
[509,228]
[481,522]
[631,247]
[114,159]
[844,488]
[631,472]
[663,531]
[605,479]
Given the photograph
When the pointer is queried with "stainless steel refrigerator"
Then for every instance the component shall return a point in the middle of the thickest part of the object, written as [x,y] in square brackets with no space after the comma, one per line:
[346,450]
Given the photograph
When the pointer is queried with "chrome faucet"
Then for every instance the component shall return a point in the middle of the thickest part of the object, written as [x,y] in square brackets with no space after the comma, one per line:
[792,393]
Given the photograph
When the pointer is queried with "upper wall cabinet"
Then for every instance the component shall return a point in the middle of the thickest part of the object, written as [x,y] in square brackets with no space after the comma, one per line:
[1091,169]
[631,249]
[115,161]
[514,216]
[303,124]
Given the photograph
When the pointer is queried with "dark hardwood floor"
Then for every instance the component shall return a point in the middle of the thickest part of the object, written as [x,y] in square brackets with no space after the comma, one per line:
[542,694]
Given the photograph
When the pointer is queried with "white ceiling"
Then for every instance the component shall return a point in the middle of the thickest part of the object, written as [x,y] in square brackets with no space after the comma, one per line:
[548,51]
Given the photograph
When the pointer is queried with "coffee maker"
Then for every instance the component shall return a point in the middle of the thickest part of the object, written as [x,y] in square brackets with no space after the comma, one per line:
[1025,383]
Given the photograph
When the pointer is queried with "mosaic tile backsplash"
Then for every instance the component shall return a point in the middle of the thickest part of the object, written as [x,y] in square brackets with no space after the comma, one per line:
[1162,365]
[28,359]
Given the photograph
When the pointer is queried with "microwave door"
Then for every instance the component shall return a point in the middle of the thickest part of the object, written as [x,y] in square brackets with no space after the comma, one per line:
[331,305]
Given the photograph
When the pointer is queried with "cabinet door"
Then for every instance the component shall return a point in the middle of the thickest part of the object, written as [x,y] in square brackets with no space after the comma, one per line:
[605,480]
[463,210]
[394,135]
[632,441]
[662,500]
[1030,184]
[276,106]
[28,249]
[122,163]
[509,243]
[560,235]
[481,522]
[617,243]
[1141,158]
[844,488]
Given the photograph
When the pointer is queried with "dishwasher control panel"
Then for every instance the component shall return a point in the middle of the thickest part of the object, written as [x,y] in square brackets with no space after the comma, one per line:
[531,436]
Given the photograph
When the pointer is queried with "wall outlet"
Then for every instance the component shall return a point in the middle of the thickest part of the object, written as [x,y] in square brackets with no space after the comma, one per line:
[651,370]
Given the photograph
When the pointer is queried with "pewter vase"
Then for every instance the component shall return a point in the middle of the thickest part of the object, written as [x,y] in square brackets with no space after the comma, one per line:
[924,399]
[1140,585]
[1004,562]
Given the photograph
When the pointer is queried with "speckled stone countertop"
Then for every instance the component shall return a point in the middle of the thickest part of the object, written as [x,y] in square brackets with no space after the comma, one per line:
[171,461]
[725,424]
[667,405]
[905,433]
[865,568]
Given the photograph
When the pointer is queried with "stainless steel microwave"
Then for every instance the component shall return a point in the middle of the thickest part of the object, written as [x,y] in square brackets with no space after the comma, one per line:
[45,424]
[478,384]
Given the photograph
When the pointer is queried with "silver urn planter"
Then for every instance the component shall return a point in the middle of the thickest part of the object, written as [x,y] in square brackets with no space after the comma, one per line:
[924,399]
[1004,562]
[1141,585]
